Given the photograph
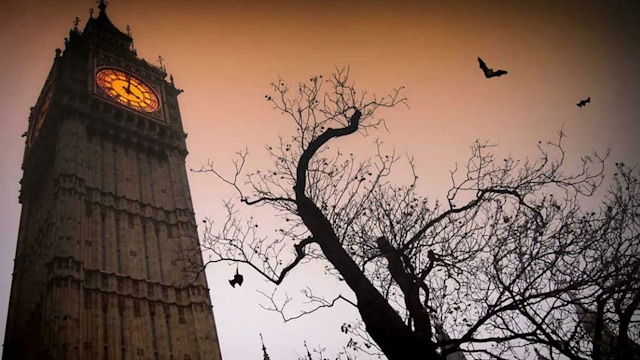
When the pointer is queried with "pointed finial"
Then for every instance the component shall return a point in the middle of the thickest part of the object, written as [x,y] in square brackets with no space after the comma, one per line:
[75,23]
[91,13]
[161,61]
[129,30]
[171,79]
[265,355]
[102,5]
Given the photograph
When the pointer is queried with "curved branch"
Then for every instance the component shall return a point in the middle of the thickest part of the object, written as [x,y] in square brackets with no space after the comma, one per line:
[300,254]
[315,145]
[267,199]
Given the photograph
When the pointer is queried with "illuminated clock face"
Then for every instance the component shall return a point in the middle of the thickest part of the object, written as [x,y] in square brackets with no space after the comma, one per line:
[42,113]
[127,90]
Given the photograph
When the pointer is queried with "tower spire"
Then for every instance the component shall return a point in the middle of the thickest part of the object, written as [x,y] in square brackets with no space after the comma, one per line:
[102,5]
[265,355]
[102,24]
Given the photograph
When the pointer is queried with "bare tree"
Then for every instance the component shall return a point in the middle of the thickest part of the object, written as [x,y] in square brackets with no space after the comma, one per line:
[503,264]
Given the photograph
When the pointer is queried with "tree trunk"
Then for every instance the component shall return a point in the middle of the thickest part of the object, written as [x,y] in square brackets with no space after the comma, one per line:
[383,323]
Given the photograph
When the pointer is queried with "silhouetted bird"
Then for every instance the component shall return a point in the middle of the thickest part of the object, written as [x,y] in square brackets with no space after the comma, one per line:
[488,72]
[584,102]
[237,279]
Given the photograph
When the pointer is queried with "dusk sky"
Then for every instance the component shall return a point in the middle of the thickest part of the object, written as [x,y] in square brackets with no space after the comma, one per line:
[224,54]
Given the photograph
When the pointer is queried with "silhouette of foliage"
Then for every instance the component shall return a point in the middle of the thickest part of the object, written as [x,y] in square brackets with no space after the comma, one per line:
[500,268]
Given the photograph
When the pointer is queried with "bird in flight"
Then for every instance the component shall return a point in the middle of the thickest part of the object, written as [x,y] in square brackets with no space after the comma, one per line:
[489,72]
[584,102]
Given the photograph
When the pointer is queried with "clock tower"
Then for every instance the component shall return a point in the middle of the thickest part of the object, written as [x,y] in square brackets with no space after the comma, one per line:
[107,225]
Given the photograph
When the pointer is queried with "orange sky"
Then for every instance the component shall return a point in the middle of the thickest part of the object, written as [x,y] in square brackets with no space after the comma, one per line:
[225,53]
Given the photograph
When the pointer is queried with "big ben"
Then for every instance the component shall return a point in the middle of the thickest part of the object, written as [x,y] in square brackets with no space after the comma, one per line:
[107,221]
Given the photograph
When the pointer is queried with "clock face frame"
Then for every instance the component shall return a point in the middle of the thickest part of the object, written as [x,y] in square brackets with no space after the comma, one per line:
[128,90]
[37,123]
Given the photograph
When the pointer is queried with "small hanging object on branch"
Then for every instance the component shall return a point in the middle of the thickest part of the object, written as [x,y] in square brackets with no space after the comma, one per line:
[237,279]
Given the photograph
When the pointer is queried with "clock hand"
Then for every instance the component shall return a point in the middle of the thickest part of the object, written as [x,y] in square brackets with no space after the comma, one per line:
[128,89]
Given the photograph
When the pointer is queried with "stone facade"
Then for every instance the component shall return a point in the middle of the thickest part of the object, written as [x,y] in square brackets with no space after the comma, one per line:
[107,232]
